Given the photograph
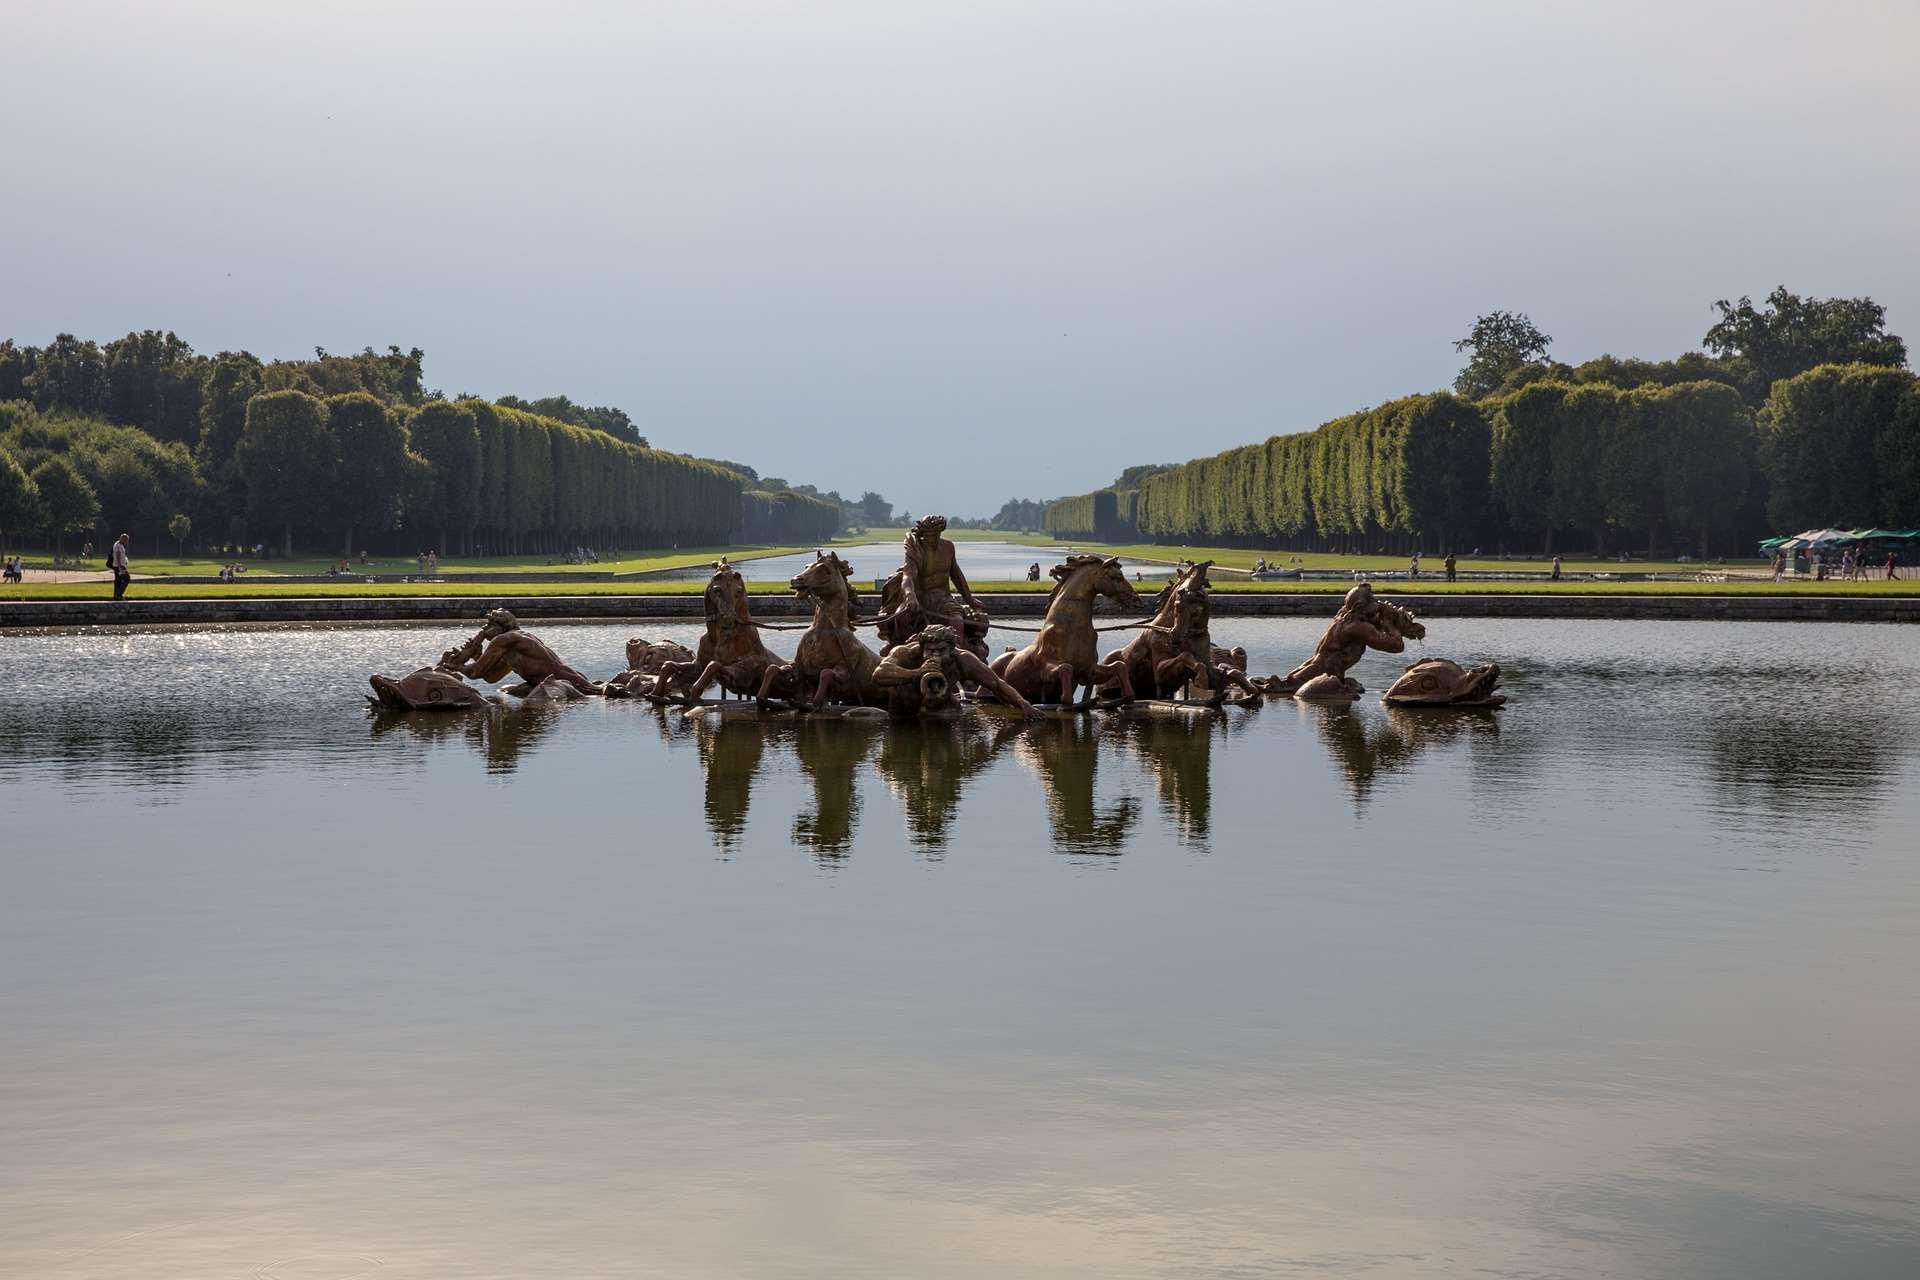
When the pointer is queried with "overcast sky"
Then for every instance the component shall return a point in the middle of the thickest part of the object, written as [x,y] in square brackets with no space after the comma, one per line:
[954,252]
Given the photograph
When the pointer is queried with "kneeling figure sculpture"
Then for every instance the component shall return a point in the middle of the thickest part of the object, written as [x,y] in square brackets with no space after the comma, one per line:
[1364,622]
[923,676]
[498,649]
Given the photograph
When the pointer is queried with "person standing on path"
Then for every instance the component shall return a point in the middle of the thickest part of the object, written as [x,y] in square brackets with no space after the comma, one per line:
[1556,569]
[1893,561]
[1452,566]
[117,561]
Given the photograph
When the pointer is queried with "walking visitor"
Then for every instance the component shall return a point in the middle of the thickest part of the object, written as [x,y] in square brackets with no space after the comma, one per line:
[117,561]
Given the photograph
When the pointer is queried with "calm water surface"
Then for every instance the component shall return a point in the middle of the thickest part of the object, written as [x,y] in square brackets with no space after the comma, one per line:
[1619,983]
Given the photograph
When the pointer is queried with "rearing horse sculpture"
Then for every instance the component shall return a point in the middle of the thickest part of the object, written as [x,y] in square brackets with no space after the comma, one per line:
[731,653]
[1066,653]
[1175,649]
[831,660]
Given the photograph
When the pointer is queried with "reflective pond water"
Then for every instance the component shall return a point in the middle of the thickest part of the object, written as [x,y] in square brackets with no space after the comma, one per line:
[980,561]
[1620,982]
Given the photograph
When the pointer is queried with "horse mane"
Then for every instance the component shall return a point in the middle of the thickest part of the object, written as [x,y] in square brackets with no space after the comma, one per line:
[1065,570]
[845,571]
[710,599]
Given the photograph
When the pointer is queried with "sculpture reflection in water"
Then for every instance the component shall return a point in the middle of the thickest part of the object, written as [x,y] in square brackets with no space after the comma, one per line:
[1065,757]
[500,737]
[830,756]
[929,767]
[1367,748]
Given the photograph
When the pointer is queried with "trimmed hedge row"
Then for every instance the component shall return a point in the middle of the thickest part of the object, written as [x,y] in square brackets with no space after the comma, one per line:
[1416,466]
[1108,515]
[1595,458]
[1841,447]
[474,475]
[786,517]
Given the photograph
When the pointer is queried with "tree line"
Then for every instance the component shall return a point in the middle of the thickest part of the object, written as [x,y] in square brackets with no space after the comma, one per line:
[1798,413]
[344,451]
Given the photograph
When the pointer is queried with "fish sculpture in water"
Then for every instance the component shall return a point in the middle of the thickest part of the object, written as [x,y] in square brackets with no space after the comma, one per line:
[1442,682]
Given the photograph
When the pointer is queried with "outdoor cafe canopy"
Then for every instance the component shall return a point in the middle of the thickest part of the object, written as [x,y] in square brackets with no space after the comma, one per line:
[1817,538]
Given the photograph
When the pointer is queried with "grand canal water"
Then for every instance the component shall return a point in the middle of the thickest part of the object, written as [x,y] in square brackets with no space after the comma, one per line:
[1620,982]
[983,562]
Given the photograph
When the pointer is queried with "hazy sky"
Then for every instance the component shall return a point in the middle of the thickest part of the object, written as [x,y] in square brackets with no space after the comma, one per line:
[955,252]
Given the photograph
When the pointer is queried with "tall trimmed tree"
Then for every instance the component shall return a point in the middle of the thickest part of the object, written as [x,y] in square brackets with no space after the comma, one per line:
[444,435]
[372,441]
[289,460]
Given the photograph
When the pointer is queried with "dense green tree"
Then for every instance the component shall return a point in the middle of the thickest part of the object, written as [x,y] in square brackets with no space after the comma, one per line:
[372,480]
[1631,457]
[1793,334]
[19,500]
[1435,458]
[444,435]
[152,380]
[1135,476]
[1706,445]
[1522,457]
[67,502]
[289,459]
[746,472]
[1896,456]
[68,374]
[1023,515]
[1820,434]
[394,376]
[1586,419]
[131,497]
[605,418]
[786,517]
[230,380]
[1500,343]
[16,371]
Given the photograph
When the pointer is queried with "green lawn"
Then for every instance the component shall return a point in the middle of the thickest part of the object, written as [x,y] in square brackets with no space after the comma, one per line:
[644,561]
[634,562]
[1238,558]
[147,590]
